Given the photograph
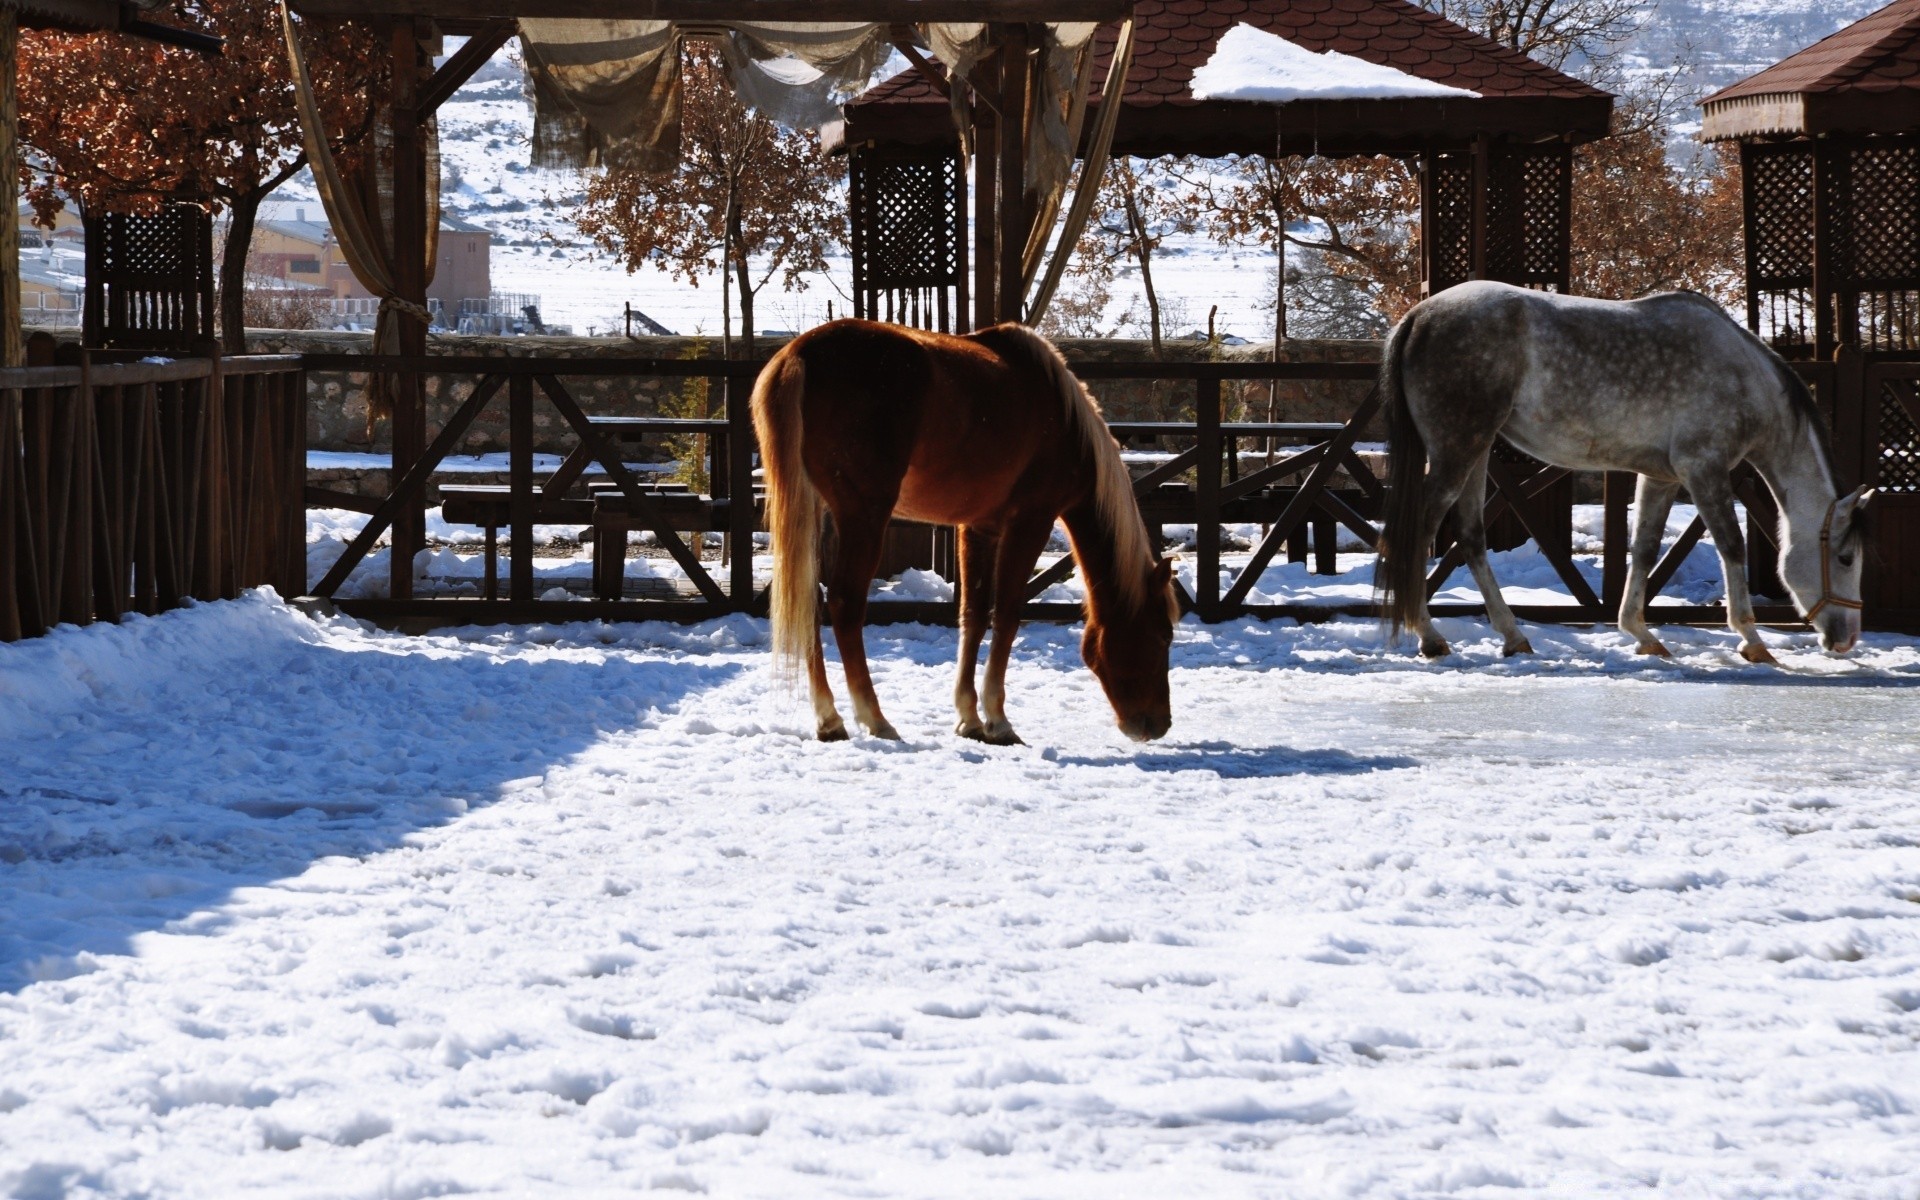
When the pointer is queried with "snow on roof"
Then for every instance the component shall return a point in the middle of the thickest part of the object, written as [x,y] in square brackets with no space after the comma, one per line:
[1252,64]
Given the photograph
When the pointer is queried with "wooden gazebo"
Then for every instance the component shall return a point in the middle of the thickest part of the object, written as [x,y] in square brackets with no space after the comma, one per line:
[1830,154]
[1830,157]
[67,16]
[1495,169]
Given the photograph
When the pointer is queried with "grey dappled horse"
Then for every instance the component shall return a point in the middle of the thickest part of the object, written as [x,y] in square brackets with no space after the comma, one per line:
[1667,386]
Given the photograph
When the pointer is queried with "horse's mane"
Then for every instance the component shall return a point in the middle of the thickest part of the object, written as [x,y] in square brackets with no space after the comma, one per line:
[1112,486]
[1806,412]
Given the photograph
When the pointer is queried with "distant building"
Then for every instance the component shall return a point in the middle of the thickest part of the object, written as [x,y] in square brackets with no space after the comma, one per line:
[300,250]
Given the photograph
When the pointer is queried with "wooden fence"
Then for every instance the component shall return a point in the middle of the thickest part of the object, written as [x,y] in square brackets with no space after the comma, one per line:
[134,486]
[129,487]
[1320,485]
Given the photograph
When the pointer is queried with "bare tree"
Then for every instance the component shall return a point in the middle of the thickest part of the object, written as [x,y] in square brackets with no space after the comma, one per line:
[1140,203]
[1556,32]
[746,192]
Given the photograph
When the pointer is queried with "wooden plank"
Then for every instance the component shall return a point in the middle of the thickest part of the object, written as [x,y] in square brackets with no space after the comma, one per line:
[1663,571]
[1302,502]
[1206,500]
[645,513]
[1267,475]
[410,484]
[740,514]
[520,488]
[12,519]
[1616,538]
[462,63]
[1550,547]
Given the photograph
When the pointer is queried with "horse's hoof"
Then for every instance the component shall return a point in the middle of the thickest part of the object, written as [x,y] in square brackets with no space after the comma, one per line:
[1003,736]
[885,732]
[1435,649]
[1758,653]
[836,734]
[973,731]
[1656,649]
[1522,647]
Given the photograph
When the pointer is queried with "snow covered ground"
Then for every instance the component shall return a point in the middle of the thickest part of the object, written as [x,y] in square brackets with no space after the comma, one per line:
[298,908]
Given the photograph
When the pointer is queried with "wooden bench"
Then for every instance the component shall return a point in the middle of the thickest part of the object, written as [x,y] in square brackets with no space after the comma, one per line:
[490,506]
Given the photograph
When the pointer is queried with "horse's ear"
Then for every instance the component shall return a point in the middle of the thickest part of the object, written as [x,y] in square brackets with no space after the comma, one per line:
[1163,572]
[1862,497]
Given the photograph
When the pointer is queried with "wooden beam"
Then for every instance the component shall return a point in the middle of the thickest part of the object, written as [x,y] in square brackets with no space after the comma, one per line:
[884,12]
[463,63]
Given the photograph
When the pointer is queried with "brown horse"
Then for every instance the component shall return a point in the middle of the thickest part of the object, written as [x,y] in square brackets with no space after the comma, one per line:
[990,432]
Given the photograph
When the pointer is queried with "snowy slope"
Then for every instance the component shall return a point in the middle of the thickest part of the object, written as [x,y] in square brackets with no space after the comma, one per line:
[304,910]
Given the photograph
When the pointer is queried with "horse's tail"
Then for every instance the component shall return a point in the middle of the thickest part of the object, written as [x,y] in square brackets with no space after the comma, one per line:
[794,512]
[1400,574]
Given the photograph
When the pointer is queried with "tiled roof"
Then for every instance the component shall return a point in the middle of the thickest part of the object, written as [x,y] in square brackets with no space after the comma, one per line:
[1878,53]
[1173,37]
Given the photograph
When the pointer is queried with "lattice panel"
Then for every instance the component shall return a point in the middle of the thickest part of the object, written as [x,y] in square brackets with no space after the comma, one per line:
[1899,444]
[1448,196]
[150,279]
[1544,208]
[1881,215]
[1526,216]
[1779,216]
[909,239]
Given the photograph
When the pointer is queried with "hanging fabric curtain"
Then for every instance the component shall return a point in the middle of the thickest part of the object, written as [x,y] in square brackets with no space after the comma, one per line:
[1072,91]
[605,93]
[359,206]
[1087,188]
[608,93]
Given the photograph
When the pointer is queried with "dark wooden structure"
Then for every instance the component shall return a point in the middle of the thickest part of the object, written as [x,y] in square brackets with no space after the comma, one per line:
[1830,154]
[1496,170]
[150,280]
[132,487]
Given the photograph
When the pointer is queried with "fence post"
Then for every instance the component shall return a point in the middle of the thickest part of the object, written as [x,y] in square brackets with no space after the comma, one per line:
[1852,432]
[1615,537]
[1206,497]
[294,445]
[519,490]
[740,515]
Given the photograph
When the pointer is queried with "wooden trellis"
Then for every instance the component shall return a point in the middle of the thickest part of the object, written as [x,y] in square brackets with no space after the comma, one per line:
[1498,211]
[908,209]
[150,280]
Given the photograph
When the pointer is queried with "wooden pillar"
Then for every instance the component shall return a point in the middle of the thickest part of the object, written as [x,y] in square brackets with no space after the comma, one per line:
[986,151]
[1482,174]
[1824,249]
[410,276]
[1748,227]
[10,351]
[1015,218]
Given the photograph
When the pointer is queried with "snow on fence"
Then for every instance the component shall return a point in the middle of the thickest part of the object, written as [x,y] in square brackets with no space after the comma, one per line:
[135,486]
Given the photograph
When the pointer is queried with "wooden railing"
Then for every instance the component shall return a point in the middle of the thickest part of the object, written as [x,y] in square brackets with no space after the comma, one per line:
[134,486]
[1320,483]
[130,487]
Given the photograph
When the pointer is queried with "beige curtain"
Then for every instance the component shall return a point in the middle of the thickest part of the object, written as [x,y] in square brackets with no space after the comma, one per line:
[359,204]
[1087,189]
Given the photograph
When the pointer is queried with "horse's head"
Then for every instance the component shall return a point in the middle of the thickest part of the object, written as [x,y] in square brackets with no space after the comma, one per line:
[1127,652]
[1824,573]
